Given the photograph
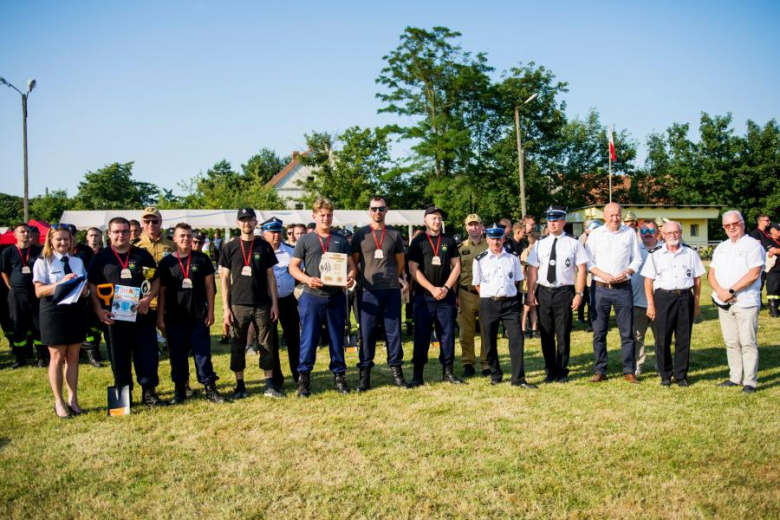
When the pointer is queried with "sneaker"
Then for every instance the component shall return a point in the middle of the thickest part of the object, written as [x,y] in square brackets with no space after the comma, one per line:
[524,384]
[273,392]
[683,382]
[747,389]
[666,382]
[240,394]
[727,384]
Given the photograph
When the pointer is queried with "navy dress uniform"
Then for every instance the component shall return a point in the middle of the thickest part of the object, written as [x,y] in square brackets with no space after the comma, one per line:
[558,265]
[289,318]
[496,276]
[673,285]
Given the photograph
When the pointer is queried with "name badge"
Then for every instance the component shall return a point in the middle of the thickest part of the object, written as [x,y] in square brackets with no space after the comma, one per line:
[246,270]
[186,283]
[26,270]
[125,274]
[378,254]
[436,261]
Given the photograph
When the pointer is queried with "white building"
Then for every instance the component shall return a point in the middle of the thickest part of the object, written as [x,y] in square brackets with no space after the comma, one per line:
[288,182]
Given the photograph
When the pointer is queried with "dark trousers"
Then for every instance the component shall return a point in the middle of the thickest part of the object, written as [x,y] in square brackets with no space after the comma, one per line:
[621,299]
[439,315]
[316,310]
[493,313]
[555,321]
[23,306]
[243,316]
[674,315]
[291,328]
[382,306]
[136,344]
[186,337]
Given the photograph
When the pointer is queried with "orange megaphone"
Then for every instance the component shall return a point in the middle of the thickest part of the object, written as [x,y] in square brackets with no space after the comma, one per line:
[105,291]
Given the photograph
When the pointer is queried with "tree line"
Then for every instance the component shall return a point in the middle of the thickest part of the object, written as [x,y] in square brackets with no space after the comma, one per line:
[455,116]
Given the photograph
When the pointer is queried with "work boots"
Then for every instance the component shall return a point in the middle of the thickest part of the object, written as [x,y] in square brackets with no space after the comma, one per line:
[417,377]
[92,357]
[304,384]
[774,308]
[448,375]
[179,394]
[21,357]
[398,376]
[340,382]
[151,399]
[365,380]
[43,356]
[213,395]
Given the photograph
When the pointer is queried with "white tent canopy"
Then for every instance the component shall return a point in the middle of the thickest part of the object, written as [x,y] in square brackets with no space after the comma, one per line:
[226,218]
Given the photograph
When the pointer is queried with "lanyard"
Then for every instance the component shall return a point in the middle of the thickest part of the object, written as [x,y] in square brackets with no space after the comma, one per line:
[247,257]
[381,240]
[25,261]
[127,259]
[325,245]
[189,258]
[436,247]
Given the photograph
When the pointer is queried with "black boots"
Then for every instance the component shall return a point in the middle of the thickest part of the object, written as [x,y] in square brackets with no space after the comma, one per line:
[93,357]
[304,384]
[150,398]
[449,376]
[398,377]
[43,356]
[774,308]
[179,393]
[340,382]
[365,380]
[21,357]
[213,395]
[417,377]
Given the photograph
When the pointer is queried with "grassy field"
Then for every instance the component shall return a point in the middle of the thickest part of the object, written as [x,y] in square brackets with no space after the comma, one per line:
[574,450]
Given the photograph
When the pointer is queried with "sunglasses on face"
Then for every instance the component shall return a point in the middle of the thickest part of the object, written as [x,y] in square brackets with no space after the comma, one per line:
[380,209]
[151,222]
[732,224]
[647,231]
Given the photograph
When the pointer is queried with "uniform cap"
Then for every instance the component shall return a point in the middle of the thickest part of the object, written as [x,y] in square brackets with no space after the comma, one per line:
[495,231]
[246,213]
[151,211]
[433,208]
[629,216]
[274,225]
[473,218]
[556,213]
[593,224]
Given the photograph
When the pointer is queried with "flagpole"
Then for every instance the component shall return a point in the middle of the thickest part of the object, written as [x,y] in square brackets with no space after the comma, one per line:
[609,174]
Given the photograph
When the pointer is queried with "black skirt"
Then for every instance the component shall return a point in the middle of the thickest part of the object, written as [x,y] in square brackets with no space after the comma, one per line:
[63,324]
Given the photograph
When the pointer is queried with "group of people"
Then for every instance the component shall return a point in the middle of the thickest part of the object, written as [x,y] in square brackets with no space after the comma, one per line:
[647,275]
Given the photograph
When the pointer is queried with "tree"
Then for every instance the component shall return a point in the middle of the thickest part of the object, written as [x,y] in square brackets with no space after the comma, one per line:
[264,165]
[11,210]
[50,206]
[221,187]
[113,187]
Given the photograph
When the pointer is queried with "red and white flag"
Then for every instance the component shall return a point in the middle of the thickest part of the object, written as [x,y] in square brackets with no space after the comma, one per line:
[611,145]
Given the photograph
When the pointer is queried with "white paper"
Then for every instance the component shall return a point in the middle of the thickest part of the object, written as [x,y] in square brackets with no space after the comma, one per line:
[74,295]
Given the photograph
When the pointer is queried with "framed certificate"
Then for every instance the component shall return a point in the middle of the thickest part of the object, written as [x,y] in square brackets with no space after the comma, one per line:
[333,269]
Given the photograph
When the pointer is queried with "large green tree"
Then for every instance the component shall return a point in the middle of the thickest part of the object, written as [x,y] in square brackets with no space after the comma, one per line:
[11,210]
[49,207]
[113,187]
[264,165]
[222,187]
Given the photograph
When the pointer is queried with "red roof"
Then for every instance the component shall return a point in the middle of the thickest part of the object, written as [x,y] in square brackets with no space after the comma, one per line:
[286,170]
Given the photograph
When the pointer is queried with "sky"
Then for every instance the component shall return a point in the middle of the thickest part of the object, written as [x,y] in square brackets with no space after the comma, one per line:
[177,86]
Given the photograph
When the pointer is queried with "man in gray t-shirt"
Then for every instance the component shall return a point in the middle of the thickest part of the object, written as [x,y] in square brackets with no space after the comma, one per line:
[378,251]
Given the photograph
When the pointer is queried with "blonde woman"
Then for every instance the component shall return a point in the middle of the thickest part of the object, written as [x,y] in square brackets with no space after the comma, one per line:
[63,327]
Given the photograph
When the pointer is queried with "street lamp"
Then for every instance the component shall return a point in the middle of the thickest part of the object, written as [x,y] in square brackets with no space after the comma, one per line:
[30,86]
[521,152]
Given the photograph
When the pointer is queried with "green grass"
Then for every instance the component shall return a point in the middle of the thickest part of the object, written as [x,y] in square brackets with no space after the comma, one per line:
[575,450]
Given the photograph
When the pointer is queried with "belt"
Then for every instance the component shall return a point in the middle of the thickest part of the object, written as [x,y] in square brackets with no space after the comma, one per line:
[677,292]
[554,289]
[612,285]
[469,289]
[502,298]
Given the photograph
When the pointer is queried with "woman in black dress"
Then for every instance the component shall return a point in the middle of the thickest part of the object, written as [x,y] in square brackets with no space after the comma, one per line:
[63,326]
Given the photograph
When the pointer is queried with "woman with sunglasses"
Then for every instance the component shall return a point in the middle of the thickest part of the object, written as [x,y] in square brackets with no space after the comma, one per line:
[63,326]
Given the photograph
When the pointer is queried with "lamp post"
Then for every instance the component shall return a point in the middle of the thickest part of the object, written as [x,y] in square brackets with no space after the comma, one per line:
[521,153]
[30,86]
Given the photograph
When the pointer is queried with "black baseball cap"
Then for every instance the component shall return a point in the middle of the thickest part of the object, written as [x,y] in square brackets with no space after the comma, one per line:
[246,213]
[433,208]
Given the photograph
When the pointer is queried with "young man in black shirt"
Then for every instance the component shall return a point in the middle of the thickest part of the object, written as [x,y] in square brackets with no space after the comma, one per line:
[17,262]
[434,264]
[185,311]
[249,297]
[379,252]
[319,302]
[130,342]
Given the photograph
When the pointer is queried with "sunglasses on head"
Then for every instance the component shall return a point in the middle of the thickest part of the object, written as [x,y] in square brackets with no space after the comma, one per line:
[647,231]
[60,227]
[380,209]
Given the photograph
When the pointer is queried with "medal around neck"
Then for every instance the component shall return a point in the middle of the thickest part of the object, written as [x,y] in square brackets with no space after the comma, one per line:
[246,270]
[186,283]
[436,260]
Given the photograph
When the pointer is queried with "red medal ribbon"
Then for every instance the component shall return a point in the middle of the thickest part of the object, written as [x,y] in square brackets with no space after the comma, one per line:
[127,260]
[436,247]
[189,258]
[325,245]
[247,257]
[25,261]
[381,240]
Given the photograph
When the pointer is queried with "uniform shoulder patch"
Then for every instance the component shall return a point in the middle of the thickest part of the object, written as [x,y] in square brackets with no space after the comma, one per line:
[542,238]
[482,255]
[685,245]
[656,248]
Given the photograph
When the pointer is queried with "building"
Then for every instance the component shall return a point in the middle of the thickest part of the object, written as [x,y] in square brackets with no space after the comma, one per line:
[693,217]
[289,181]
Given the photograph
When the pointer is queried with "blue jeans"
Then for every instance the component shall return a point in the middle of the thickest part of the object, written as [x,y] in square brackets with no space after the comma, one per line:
[185,337]
[438,314]
[621,298]
[314,310]
[384,304]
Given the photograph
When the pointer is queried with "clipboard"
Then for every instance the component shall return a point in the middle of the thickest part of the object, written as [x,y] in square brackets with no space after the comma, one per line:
[68,292]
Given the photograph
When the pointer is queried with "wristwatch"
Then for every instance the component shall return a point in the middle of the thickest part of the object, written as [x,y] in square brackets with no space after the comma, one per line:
[580,293]
[732,292]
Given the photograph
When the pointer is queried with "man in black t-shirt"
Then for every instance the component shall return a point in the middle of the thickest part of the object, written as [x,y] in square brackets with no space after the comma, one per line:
[131,343]
[185,311]
[90,349]
[762,234]
[17,262]
[378,250]
[249,297]
[434,264]
[319,302]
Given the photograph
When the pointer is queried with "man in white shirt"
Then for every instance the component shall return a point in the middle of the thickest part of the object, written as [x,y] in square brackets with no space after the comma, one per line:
[558,264]
[648,231]
[735,278]
[671,271]
[496,274]
[614,257]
